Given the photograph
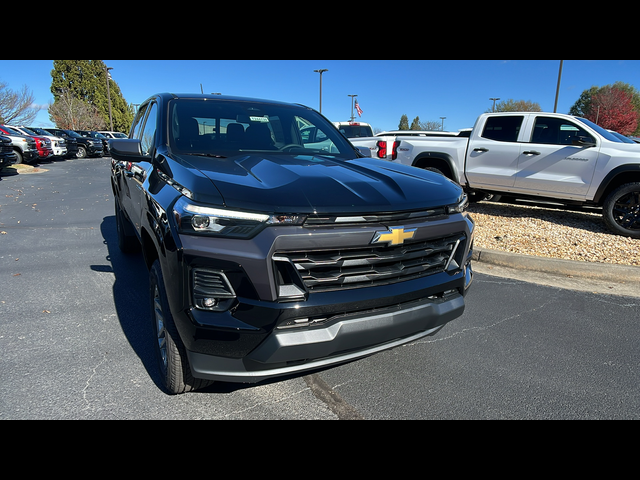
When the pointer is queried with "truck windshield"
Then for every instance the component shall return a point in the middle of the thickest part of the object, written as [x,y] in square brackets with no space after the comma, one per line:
[223,128]
[608,135]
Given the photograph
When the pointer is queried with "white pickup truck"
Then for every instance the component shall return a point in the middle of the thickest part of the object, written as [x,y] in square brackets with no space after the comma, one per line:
[543,156]
[385,144]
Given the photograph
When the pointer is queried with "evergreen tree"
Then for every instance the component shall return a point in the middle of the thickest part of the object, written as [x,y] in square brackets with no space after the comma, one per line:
[86,80]
[512,105]
[415,125]
[404,123]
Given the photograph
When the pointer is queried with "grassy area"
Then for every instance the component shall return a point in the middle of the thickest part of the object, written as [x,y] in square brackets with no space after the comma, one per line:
[22,168]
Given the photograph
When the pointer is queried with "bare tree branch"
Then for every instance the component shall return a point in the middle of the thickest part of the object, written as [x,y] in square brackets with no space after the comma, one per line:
[17,107]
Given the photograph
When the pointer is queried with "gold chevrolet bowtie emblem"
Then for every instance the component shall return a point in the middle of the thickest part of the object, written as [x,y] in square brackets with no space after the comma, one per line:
[393,236]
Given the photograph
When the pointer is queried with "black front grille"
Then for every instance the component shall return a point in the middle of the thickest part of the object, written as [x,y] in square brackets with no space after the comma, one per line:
[323,270]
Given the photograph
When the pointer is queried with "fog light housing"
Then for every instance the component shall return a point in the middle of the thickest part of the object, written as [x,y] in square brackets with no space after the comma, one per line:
[211,290]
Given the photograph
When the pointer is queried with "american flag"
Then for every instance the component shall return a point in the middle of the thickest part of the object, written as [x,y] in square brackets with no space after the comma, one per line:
[358,109]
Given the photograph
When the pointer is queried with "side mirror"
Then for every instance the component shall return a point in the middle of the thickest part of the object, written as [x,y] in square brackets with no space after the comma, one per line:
[125,149]
[366,151]
[583,142]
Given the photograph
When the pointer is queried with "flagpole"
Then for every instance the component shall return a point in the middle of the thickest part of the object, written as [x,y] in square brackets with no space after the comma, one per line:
[352,117]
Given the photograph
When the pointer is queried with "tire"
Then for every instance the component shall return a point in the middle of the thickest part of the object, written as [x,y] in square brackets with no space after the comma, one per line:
[621,210]
[19,157]
[127,241]
[82,152]
[170,351]
[435,170]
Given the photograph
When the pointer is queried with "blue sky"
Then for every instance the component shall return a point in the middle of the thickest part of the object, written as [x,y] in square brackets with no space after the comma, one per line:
[456,89]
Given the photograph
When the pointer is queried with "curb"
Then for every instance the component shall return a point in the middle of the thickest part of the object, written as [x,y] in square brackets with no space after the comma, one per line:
[555,266]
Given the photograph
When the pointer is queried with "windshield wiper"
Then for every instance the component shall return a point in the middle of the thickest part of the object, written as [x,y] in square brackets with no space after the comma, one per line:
[212,155]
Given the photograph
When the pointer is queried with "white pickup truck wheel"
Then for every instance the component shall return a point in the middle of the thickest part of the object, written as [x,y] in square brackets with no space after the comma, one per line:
[621,210]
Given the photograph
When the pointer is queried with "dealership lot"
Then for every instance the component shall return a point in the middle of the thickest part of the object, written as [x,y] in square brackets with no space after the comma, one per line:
[76,342]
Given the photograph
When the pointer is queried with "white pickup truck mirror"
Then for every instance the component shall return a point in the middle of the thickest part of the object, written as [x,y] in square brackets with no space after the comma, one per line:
[583,142]
[366,151]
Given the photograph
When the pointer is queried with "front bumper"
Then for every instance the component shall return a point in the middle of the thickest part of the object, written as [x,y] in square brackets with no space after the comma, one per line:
[30,155]
[349,337]
[265,334]
[59,151]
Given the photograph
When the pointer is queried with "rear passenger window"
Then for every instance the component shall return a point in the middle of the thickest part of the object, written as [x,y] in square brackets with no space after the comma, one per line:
[503,129]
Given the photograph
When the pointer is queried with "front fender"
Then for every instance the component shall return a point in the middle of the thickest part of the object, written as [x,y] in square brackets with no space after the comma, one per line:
[616,177]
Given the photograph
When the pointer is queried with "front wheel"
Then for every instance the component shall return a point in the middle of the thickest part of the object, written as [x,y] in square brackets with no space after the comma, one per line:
[170,351]
[82,152]
[621,210]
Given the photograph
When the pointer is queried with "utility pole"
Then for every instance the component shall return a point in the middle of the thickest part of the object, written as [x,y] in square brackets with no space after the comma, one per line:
[493,109]
[555,105]
[352,96]
[442,118]
[321,71]
[109,96]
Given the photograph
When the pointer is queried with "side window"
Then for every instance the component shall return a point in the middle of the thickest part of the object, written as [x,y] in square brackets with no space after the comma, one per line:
[138,121]
[503,129]
[147,136]
[557,131]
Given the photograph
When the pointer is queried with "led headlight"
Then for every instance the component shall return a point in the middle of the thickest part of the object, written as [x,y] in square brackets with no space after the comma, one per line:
[460,206]
[197,219]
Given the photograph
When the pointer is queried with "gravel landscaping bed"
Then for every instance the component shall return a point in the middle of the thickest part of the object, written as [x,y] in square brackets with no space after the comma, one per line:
[548,232]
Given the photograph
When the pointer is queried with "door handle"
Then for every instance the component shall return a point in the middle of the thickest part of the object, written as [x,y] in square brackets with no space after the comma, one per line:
[481,149]
[531,152]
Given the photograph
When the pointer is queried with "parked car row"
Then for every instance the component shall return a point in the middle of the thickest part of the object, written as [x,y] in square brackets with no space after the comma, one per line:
[20,144]
[7,156]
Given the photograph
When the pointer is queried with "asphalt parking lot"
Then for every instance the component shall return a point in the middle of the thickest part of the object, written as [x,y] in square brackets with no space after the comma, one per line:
[76,342]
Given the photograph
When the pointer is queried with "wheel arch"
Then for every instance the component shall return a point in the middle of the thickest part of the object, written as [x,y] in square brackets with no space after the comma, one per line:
[615,178]
[149,250]
[439,160]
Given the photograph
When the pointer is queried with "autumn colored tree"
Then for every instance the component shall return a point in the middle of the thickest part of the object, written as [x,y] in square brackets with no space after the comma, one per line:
[611,108]
[584,106]
[72,113]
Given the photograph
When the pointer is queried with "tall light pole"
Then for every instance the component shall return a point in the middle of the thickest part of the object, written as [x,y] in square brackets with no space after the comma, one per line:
[493,109]
[555,105]
[321,71]
[442,118]
[106,69]
[352,96]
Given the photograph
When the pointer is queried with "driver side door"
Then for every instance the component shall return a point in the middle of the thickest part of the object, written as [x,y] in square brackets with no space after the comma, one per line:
[135,174]
[551,165]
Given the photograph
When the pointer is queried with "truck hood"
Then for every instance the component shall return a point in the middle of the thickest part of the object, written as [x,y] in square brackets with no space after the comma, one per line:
[316,184]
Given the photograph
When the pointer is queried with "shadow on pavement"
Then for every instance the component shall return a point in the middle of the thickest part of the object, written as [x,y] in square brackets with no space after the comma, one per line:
[132,302]
[131,297]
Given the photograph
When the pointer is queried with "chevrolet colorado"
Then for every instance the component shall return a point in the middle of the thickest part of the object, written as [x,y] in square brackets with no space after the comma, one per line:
[539,156]
[272,251]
